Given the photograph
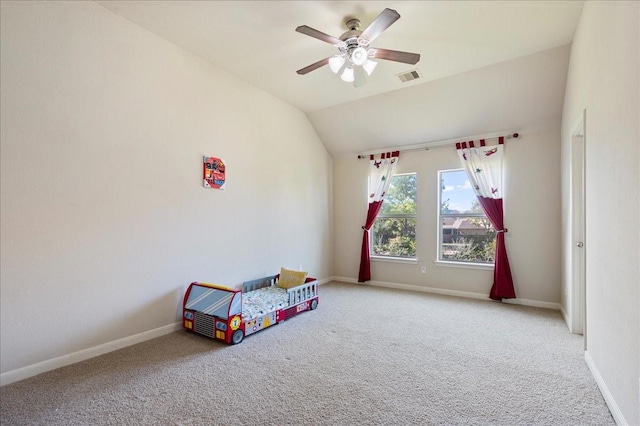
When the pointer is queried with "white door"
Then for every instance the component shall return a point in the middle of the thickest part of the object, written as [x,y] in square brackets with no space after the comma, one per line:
[578,258]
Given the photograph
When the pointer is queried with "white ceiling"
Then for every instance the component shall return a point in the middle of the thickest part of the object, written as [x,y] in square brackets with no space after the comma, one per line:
[459,42]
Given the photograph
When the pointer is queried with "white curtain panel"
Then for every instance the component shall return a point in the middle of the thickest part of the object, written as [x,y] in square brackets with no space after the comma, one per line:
[380,172]
[484,169]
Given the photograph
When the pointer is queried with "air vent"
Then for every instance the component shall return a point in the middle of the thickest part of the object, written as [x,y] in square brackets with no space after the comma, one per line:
[410,75]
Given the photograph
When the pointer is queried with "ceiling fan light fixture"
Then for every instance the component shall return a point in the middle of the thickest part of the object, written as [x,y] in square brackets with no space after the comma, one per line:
[369,66]
[347,75]
[359,55]
[336,62]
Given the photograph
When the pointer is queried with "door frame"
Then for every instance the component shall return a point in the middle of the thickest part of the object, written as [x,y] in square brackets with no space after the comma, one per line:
[577,239]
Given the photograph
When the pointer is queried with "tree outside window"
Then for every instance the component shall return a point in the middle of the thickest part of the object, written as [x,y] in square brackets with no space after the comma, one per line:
[394,233]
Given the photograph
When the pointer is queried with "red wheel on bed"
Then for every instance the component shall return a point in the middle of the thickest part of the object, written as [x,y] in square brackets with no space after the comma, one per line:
[314,304]
[237,337]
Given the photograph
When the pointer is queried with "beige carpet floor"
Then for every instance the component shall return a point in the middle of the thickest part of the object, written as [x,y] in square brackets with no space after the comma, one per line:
[366,356]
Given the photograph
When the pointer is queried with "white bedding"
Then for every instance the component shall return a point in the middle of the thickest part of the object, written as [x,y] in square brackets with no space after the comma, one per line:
[262,301]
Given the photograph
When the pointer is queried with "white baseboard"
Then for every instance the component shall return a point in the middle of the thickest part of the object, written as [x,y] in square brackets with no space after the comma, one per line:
[64,360]
[608,398]
[533,303]
[72,358]
[566,318]
[326,280]
[457,293]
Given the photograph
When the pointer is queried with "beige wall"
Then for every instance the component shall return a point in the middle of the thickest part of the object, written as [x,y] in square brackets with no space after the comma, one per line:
[604,79]
[532,215]
[104,217]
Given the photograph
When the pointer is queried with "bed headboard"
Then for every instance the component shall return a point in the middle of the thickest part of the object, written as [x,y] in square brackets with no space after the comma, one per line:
[259,283]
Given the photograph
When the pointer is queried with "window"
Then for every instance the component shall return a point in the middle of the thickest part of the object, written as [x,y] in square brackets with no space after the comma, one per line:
[465,233]
[394,233]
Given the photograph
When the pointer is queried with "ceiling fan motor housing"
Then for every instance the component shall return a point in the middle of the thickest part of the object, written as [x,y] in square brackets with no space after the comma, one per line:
[352,39]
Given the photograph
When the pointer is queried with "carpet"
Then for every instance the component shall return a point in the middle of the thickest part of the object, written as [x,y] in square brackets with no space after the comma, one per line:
[367,355]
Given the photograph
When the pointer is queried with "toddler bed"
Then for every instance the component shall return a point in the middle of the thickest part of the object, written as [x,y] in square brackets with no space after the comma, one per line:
[230,315]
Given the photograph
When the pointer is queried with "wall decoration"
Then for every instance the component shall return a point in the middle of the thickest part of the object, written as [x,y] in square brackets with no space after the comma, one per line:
[214,172]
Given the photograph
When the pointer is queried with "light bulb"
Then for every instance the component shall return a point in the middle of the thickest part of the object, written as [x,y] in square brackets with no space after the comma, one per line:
[347,75]
[336,62]
[359,55]
[369,66]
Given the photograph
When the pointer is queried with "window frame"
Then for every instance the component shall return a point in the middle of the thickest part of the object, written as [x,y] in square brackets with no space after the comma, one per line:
[447,262]
[414,216]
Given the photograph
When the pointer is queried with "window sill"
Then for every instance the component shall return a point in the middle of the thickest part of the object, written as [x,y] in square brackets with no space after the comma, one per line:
[389,259]
[464,265]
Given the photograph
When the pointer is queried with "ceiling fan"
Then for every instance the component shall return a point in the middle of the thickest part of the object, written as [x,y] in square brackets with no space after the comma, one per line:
[355,57]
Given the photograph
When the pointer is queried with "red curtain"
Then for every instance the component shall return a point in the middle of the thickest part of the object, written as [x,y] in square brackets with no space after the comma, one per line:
[365,256]
[502,281]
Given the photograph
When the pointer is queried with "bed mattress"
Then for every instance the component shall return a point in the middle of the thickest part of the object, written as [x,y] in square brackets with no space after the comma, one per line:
[263,301]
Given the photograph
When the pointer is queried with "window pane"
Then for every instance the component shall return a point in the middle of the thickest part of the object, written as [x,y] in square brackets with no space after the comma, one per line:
[401,195]
[463,238]
[457,195]
[394,237]
[467,239]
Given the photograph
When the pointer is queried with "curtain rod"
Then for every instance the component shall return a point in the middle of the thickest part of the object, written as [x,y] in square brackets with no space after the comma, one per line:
[444,142]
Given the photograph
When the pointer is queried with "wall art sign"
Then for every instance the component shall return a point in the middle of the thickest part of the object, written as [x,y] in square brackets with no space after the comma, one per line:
[214,172]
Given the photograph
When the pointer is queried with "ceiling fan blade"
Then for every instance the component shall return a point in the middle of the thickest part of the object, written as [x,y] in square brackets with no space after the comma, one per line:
[316,65]
[318,34]
[397,56]
[359,77]
[381,23]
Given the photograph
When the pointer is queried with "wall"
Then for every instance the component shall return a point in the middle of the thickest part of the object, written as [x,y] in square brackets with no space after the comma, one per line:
[532,215]
[104,217]
[604,79]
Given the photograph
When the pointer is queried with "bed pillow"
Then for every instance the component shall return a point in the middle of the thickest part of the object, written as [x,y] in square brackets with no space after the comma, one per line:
[289,278]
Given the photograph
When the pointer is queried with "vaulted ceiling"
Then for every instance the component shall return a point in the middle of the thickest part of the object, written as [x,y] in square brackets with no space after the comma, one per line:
[486,66]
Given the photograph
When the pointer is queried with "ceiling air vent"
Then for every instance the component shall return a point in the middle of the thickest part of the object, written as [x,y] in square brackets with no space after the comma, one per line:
[410,75]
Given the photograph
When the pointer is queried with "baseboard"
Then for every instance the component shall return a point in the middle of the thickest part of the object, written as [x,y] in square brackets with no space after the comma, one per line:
[326,280]
[72,358]
[534,303]
[608,398]
[62,361]
[565,316]
[456,293]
